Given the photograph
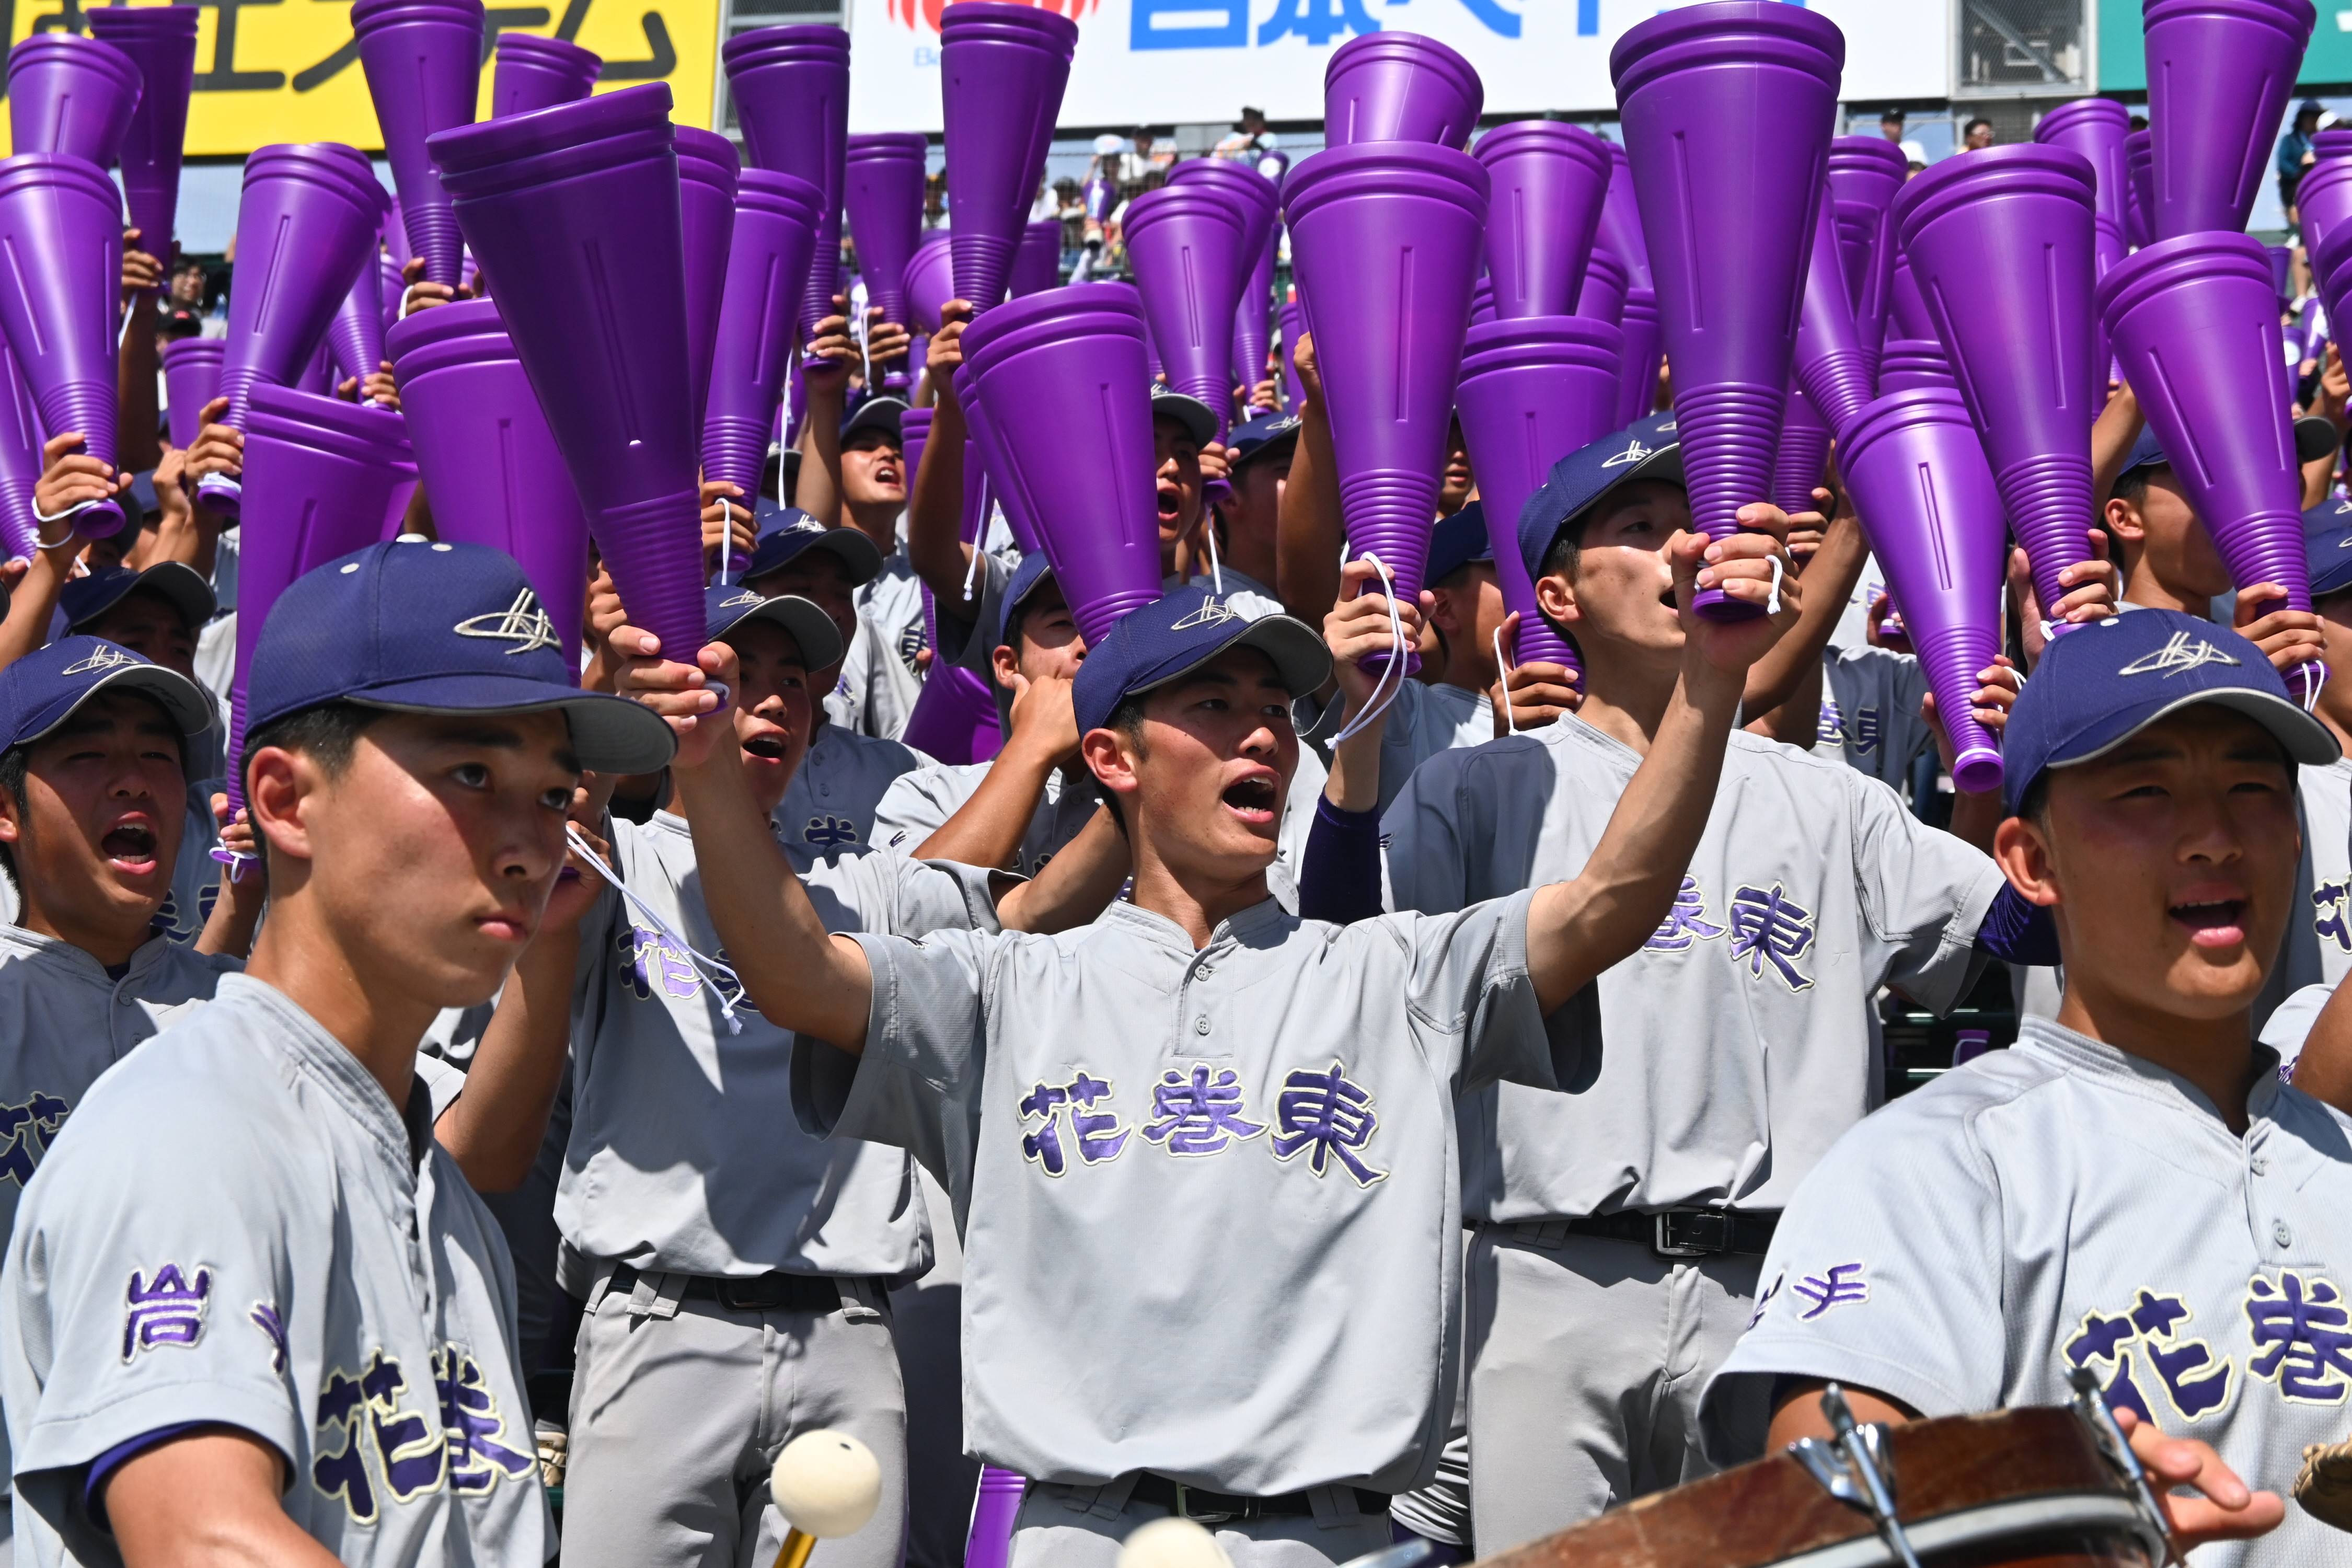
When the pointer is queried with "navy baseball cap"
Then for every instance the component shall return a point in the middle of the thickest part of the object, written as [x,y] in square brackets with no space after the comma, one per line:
[1199,421]
[42,689]
[2327,546]
[728,605]
[1267,435]
[2313,438]
[1178,632]
[420,627]
[1027,578]
[877,413]
[784,532]
[84,599]
[1456,542]
[1646,449]
[2101,684]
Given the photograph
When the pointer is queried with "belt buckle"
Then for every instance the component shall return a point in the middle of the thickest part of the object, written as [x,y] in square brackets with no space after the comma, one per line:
[1184,1507]
[1666,1245]
[763,1294]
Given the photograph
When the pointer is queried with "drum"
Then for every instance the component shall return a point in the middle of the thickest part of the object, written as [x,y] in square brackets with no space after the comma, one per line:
[2031,1486]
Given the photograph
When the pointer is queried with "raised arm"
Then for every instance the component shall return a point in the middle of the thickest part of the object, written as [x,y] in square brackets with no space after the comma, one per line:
[824,373]
[987,829]
[1577,928]
[1076,885]
[1309,534]
[935,545]
[799,975]
[1790,675]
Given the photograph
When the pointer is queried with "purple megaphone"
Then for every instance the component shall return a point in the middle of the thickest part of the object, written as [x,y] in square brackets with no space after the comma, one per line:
[929,279]
[2094,129]
[1919,479]
[1910,363]
[1400,86]
[1036,366]
[983,493]
[423,64]
[1533,389]
[1607,280]
[325,475]
[2218,74]
[60,268]
[1803,457]
[1548,183]
[1726,110]
[1256,198]
[73,95]
[790,90]
[2324,201]
[1289,321]
[998,1505]
[1865,172]
[1003,68]
[1482,302]
[575,210]
[306,223]
[1621,221]
[1830,366]
[355,335]
[1037,265]
[20,462]
[882,192]
[191,379]
[1185,245]
[2139,188]
[776,219]
[2196,328]
[2331,143]
[1907,312]
[160,41]
[954,718]
[1999,244]
[489,463]
[1637,367]
[707,174]
[536,72]
[395,235]
[1385,237]
[1251,341]
[914,435]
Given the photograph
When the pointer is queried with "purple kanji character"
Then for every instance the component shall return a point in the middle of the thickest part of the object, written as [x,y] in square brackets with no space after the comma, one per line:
[266,1318]
[1843,1286]
[1043,1102]
[412,1452]
[344,1473]
[470,1424]
[2328,902]
[1866,733]
[1830,725]
[30,1128]
[1768,926]
[1323,1111]
[828,832]
[1765,1299]
[2305,1327]
[1686,922]
[168,1311]
[1199,1114]
[1099,1136]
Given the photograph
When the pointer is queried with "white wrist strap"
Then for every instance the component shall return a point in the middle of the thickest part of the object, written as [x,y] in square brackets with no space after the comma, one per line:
[1509,718]
[1383,693]
[709,968]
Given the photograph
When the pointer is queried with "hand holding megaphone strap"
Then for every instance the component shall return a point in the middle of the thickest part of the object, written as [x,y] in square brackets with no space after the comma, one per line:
[1509,718]
[708,968]
[1383,693]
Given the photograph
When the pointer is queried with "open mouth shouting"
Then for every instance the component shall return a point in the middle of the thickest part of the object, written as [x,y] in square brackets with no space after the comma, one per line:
[1255,798]
[2211,922]
[1170,503]
[129,847]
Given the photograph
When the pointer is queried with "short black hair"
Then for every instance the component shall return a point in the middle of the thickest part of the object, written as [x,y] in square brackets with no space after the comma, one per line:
[327,735]
[14,764]
[2131,485]
[1128,720]
[2035,806]
[1972,124]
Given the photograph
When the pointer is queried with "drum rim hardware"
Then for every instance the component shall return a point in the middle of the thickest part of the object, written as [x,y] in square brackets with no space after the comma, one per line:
[2091,1404]
[1851,1467]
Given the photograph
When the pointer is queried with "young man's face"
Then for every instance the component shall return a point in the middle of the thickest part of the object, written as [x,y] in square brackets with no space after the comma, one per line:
[435,850]
[2171,540]
[2172,862]
[818,577]
[1050,642]
[1455,490]
[771,709]
[1178,460]
[1214,766]
[871,471]
[188,286]
[1469,609]
[148,625]
[1622,594]
[98,835]
[2335,623]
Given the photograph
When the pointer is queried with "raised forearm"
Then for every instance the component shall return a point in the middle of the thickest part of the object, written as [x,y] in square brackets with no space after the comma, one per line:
[818,490]
[494,1130]
[987,829]
[1309,532]
[1829,581]
[1076,885]
[935,545]
[136,447]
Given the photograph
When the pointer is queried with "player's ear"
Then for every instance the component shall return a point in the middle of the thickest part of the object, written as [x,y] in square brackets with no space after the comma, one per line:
[1006,661]
[2022,851]
[1111,756]
[279,785]
[2124,520]
[1556,596]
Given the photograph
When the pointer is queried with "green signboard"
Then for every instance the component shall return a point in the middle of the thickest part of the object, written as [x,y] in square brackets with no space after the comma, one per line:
[2122,65]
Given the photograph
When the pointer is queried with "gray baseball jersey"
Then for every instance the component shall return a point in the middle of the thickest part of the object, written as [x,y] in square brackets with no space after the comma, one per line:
[683,1156]
[1079,1091]
[1425,720]
[2060,1204]
[831,800]
[1870,711]
[1735,1047]
[297,1259]
[2318,946]
[875,692]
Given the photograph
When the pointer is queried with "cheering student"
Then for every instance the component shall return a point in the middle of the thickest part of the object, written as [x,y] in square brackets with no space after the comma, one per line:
[2130,1190]
[1305,1072]
[1621,1224]
[283,1333]
[702,1226]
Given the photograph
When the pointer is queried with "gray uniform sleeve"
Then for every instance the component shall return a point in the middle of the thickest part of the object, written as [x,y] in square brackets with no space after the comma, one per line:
[1922,894]
[1469,976]
[914,807]
[917,1086]
[1886,1274]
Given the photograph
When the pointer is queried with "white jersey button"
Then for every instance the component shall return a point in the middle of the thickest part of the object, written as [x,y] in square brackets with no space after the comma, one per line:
[2281,1234]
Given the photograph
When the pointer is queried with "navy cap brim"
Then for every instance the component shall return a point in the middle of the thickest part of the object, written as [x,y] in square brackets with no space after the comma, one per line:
[810,629]
[181,697]
[1199,421]
[2304,737]
[1301,660]
[875,414]
[857,555]
[2315,438]
[180,584]
[610,735]
[1272,447]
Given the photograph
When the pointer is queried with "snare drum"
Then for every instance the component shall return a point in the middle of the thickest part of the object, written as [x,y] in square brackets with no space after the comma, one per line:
[2014,1488]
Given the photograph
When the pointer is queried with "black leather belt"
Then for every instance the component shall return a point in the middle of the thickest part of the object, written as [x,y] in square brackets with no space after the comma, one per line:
[1191,1502]
[770,1292]
[1685,1233]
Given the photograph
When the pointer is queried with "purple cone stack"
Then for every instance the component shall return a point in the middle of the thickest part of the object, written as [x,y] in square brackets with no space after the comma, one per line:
[790,90]
[422,60]
[1037,265]
[882,193]
[1400,86]
[2219,76]
[1002,68]
[1548,183]
[160,40]
[20,461]
[535,73]
[707,174]
[191,379]
[73,95]
[1186,245]
[60,266]
[1865,172]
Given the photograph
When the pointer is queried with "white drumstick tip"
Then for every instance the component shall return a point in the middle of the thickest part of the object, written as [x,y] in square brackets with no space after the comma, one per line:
[1172,1543]
[826,1484]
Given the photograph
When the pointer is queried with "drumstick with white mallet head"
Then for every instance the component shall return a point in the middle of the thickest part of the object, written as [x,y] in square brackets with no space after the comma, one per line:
[1171,1542]
[827,1485]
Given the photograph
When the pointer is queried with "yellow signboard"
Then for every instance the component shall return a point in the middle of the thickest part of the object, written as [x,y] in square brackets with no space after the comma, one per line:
[288,70]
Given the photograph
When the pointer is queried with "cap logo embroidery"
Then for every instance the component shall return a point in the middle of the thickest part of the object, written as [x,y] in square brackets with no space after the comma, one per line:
[1633,453]
[104,656]
[522,623]
[745,598]
[1210,614]
[2180,654]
